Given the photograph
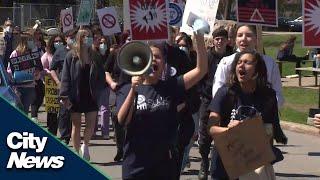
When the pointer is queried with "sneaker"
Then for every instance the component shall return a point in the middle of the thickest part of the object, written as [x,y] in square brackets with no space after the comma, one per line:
[203,172]
[84,152]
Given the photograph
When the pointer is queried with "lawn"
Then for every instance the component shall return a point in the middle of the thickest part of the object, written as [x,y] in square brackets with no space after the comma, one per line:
[298,101]
[271,45]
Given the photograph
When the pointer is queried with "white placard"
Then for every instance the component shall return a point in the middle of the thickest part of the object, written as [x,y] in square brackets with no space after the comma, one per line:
[109,22]
[205,9]
[66,19]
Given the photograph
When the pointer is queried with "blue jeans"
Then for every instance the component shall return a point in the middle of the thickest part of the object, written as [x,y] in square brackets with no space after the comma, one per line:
[104,111]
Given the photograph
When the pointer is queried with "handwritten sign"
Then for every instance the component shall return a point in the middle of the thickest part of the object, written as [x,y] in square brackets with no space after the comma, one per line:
[149,19]
[27,62]
[244,148]
[66,19]
[85,12]
[51,95]
[108,19]
[205,9]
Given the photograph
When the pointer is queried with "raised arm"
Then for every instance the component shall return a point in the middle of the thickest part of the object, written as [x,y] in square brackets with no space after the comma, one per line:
[195,75]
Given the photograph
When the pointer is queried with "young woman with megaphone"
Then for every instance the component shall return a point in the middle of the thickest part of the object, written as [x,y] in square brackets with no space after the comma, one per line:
[147,107]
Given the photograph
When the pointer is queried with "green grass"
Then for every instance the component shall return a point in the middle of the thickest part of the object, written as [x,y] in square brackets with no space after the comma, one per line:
[298,101]
[271,45]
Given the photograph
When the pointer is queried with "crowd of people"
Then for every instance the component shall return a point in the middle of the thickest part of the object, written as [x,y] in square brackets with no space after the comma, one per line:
[190,94]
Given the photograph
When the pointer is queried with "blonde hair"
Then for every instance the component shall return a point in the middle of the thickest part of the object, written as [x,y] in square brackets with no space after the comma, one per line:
[22,47]
[79,47]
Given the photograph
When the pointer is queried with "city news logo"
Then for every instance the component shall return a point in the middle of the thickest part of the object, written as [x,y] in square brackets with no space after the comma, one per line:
[25,141]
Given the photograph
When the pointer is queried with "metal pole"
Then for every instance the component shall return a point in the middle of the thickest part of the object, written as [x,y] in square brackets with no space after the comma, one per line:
[22,17]
[14,12]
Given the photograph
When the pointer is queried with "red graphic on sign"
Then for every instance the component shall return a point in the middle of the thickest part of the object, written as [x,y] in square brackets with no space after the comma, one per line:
[67,20]
[148,19]
[311,23]
[257,12]
[108,21]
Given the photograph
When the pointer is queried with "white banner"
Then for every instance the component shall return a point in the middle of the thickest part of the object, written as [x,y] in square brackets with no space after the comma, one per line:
[205,9]
[108,19]
[66,18]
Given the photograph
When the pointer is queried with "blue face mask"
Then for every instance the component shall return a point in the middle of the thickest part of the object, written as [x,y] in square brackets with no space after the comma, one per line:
[58,45]
[31,45]
[184,49]
[102,48]
[88,41]
[70,42]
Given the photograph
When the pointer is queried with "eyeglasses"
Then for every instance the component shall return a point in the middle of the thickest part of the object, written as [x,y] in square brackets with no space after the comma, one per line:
[244,112]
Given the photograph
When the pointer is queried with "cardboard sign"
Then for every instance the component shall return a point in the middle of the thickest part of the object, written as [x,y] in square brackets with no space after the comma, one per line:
[311,23]
[108,19]
[258,12]
[51,95]
[244,148]
[27,62]
[205,9]
[85,12]
[149,19]
[176,13]
[66,18]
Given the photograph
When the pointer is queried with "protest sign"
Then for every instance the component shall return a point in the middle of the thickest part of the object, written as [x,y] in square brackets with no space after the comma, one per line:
[51,95]
[258,12]
[311,23]
[66,18]
[244,147]
[205,9]
[85,12]
[27,62]
[149,19]
[108,19]
[176,13]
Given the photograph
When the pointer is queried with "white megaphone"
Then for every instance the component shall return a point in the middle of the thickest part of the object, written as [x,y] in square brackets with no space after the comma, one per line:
[135,58]
[199,25]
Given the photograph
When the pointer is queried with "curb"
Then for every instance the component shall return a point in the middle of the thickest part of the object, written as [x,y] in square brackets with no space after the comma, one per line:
[300,128]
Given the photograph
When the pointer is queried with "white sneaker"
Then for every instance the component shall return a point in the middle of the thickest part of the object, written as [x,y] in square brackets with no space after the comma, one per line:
[84,152]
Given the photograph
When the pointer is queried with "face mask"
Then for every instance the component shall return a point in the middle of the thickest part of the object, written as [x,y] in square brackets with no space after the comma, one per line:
[70,42]
[185,49]
[31,45]
[8,29]
[88,41]
[58,45]
[102,48]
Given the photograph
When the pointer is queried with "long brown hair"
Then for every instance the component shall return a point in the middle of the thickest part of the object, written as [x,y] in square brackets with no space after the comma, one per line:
[260,70]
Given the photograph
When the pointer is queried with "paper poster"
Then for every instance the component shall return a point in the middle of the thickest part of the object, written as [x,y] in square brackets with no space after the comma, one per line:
[244,148]
[258,12]
[27,62]
[51,95]
[149,19]
[205,9]
[176,14]
[85,12]
[109,22]
[66,19]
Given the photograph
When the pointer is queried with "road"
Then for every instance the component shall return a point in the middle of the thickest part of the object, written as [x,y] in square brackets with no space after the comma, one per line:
[302,157]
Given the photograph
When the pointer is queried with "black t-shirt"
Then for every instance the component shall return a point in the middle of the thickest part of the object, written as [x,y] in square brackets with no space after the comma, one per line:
[152,129]
[58,60]
[112,67]
[205,85]
[227,99]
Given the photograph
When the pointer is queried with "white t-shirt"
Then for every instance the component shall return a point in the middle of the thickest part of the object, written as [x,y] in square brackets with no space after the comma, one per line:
[224,68]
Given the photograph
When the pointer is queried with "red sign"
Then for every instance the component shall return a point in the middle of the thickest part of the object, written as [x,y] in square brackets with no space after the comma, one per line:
[311,23]
[258,12]
[149,19]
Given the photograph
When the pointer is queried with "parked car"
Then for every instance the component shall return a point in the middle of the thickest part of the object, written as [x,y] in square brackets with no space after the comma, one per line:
[296,25]
[283,24]
[7,88]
